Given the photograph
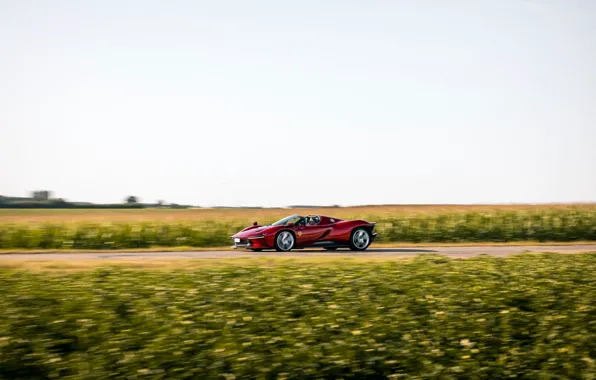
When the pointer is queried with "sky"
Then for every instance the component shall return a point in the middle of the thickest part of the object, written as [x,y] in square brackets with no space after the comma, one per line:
[276,103]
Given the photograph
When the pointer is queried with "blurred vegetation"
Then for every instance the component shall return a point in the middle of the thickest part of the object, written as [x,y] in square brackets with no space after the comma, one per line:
[544,225]
[529,316]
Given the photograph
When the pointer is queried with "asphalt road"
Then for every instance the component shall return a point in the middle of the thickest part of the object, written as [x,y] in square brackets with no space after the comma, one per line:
[456,252]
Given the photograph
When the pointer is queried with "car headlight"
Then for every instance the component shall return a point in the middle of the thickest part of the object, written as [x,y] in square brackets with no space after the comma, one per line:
[257,236]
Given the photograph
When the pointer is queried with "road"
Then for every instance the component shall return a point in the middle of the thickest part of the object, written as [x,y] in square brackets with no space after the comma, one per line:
[456,252]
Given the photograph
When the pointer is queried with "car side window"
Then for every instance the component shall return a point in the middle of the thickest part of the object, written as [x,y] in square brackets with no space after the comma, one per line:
[312,220]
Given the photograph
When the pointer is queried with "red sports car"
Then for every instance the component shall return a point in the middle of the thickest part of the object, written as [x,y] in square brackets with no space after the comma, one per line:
[307,231]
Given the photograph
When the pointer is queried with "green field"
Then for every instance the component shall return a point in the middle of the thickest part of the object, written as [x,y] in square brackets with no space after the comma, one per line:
[529,316]
[134,229]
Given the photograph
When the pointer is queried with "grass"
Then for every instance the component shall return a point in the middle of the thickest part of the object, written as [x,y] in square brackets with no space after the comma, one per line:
[527,316]
[165,264]
[197,264]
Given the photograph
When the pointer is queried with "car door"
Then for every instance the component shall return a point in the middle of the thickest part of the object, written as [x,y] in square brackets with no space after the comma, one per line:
[309,234]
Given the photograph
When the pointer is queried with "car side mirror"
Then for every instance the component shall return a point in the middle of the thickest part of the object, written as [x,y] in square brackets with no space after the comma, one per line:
[255,224]
[290,224]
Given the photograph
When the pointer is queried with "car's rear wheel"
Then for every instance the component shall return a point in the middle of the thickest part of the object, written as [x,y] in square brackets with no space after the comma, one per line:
[284,241]
[360,239]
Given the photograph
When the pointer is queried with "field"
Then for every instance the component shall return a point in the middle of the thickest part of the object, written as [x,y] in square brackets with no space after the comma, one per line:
[264,215]
[146,228]
[529,316]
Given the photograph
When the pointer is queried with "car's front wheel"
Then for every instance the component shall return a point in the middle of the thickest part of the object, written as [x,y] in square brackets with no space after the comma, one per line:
[284,241]
[360,239]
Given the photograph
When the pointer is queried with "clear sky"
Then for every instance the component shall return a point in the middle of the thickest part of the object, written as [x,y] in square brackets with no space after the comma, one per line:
[274,103]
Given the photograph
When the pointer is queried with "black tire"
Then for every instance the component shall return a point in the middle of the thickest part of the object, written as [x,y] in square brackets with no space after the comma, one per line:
[330,248]
[279,244]
[360,239]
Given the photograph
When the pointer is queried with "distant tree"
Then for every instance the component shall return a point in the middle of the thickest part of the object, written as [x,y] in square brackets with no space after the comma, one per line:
[160,202]
[132,199]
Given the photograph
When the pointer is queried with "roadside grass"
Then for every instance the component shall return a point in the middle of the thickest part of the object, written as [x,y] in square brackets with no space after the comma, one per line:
[194,264]
[525,316]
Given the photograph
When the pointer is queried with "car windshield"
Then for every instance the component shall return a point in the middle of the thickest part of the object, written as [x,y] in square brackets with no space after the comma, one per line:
[294,219]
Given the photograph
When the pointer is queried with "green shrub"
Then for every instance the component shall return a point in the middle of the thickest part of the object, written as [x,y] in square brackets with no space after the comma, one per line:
[531,316]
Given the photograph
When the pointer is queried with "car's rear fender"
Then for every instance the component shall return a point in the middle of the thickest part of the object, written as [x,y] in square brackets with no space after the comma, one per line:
[343,229]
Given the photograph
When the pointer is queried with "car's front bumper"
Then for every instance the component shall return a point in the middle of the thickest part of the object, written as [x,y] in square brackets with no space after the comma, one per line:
[240,246]
[250,243]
